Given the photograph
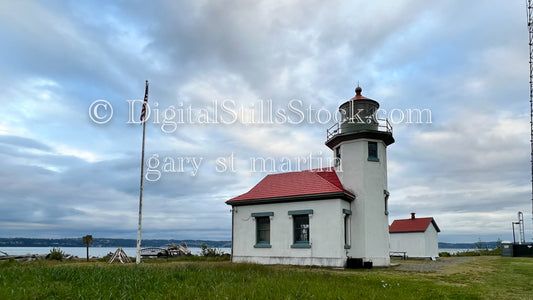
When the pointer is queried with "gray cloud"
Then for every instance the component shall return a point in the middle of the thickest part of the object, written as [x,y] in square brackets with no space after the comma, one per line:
[63,175]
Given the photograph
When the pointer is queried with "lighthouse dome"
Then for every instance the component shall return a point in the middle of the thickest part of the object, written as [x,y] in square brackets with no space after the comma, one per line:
[359,113]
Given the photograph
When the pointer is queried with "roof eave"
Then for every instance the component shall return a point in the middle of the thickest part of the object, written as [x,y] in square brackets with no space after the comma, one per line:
[407,231]
[336,139]
[435,225]
[312,197]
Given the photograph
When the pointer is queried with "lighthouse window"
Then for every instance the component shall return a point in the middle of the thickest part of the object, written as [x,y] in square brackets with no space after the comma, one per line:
[301,229]
[337,156]
[347,213]
[262,229]
[386,201]
[373,151]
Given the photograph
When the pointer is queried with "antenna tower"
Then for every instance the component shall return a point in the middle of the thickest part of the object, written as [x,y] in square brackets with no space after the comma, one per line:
[530,33]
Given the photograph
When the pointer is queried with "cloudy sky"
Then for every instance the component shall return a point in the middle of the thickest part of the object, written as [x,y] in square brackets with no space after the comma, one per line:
[70,170]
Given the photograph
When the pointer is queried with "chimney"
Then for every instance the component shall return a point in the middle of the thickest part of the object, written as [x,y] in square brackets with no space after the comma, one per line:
[412,216]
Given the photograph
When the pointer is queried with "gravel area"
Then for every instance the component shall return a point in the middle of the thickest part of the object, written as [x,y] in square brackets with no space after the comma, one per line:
[428,266]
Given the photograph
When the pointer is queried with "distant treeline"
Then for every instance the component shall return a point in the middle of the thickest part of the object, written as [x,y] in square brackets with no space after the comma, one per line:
[109,242]
[105,242]
[478,245]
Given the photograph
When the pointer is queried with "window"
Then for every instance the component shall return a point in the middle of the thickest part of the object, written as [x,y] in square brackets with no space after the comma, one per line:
[373,151]
[346,233]
[337,156]
[301,229]
[386,201]
[347,214]
[262,229]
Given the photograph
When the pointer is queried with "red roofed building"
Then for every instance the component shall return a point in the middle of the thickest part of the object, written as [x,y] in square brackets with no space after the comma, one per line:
[323,216]
[417,237]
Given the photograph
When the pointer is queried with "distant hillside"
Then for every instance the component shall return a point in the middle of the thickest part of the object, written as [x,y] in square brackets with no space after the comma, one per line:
[484,245]
[105,242]
[109,242]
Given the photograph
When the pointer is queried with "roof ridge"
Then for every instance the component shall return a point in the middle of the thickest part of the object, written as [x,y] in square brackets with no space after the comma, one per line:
[324,179]
[329,182]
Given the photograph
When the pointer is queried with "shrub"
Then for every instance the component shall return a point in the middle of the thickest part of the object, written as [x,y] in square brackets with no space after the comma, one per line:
[211,252]
[56,254]
[444,254]
[468,253]
[480,252]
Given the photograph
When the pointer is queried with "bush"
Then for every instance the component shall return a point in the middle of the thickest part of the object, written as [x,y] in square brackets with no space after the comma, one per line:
[211,252]
[56,254]
[481,252]
[444,254]
[468,253]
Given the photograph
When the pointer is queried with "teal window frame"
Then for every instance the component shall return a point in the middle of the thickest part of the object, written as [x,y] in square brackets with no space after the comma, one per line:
[347,213]
[299,218]
[262,224]
[301,212]
[338,154]
[373,151]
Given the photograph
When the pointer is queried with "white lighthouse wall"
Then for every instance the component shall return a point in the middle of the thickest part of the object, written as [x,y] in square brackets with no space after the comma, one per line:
[368,181]
[326,227]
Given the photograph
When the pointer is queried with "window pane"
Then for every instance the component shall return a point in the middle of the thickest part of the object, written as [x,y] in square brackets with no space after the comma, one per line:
[346,230]
[372,150]
[337,156]
[301,228]
[263,229]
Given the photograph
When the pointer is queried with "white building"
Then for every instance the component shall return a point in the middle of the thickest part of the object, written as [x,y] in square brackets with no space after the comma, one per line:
[322,217]
[417,237]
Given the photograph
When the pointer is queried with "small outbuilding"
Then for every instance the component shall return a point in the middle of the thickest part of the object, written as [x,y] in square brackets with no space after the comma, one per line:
[415,237]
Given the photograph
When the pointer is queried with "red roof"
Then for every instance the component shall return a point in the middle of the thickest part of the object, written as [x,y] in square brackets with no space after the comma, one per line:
[412,225]
[358,95]
[295,184]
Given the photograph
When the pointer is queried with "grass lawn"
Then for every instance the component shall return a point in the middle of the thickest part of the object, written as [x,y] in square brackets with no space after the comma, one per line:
[484,277]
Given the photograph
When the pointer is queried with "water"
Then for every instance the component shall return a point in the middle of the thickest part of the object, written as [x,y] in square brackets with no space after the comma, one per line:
[130,251]
[82,251]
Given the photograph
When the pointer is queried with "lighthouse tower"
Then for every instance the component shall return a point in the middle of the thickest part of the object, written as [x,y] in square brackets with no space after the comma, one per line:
[359,143]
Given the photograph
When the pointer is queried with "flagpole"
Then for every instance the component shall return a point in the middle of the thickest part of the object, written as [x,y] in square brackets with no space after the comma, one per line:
[143,119]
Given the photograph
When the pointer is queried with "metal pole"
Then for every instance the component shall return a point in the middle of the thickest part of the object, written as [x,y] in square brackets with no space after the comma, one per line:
[521,228]
[530,34]
[143,119]
[514,238]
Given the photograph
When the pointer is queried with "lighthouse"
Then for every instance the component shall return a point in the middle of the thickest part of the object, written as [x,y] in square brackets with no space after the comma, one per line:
[359,143]
[335,216]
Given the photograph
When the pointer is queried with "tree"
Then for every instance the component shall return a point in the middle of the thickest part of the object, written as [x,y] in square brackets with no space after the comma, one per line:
[479,244]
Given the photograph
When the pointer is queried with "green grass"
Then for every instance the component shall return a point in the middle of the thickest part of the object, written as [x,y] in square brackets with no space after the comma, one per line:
[479,278]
